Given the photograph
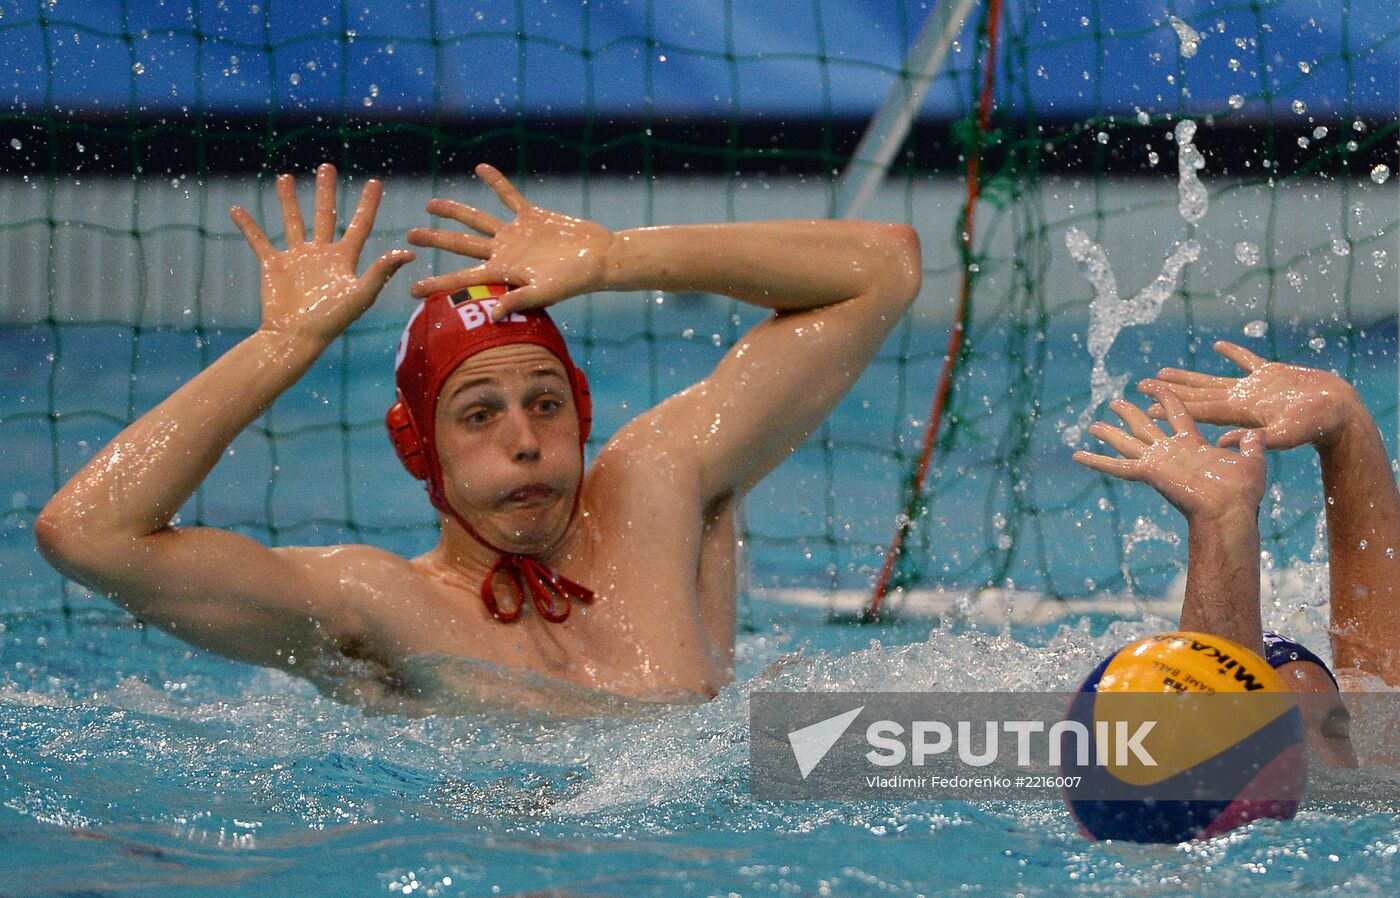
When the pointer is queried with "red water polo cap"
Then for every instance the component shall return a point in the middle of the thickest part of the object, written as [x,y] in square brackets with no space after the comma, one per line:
[444,331]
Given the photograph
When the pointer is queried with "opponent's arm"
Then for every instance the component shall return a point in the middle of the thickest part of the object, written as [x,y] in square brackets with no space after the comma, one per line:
[838,288]
[1294,406]
[109,526]
[1218,491]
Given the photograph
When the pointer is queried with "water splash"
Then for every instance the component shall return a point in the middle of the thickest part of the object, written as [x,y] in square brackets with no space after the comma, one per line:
[1109,314]
[1193,200]
[1144,530]
[1188,38]
[1247,253]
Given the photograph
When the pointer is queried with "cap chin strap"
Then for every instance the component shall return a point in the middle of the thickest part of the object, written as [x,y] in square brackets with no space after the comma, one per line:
[552,593]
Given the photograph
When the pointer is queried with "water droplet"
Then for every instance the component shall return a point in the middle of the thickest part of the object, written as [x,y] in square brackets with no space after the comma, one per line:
[1234,65]
[1193,199]
[1303,142]
[1101,137]
[1246,253]
[1317,344]
[374,90]
[1300,107]
[1380,174]
[15,144]
[1152,157]
[139,69]
[1143,118]
[1320,132]
[1378,256]
[295,78]
[1189,38]
[1236,101]
[1304,67]
[1340,247]
[1256,328]
[1294,279]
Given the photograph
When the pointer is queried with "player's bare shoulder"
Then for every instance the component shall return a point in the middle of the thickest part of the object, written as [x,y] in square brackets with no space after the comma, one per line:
[359,588]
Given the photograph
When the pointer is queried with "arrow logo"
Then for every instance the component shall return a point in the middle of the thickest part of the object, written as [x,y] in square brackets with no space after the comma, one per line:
[811,743]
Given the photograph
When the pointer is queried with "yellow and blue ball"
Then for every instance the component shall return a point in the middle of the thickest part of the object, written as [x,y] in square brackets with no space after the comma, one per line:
[1228,751]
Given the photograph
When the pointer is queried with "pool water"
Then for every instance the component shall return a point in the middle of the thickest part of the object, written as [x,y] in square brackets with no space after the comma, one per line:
[131,764]
[134,765]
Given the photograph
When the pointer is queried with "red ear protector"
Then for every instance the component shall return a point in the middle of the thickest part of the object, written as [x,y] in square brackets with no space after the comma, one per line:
[408,445]
[583,400]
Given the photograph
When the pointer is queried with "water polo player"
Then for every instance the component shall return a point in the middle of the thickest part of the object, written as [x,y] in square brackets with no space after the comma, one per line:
[618,576]
[1274,406]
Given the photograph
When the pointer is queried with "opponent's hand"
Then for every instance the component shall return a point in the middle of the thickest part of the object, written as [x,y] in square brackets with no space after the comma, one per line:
[545,256]
[1291,404]
[1201,480]
[310,288]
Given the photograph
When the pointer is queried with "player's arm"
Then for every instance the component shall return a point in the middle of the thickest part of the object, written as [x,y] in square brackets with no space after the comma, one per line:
[1217,490]
[1294,406]
[838,288]
[110,527]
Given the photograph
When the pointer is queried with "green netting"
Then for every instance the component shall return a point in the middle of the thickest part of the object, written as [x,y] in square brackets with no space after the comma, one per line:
[123,277]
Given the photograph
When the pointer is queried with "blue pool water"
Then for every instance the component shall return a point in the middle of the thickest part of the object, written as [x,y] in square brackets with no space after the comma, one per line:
[130,764]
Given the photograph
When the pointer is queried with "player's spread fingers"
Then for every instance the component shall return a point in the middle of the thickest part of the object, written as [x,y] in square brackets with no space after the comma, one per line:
[513,199]
[1215,411]
[472,217]
[1176,413]
[1185,393]
[1126,445]
[385,267]
[323,222]
[457,280]
[262,247]
[292,222]
[1185,377]
[1239,355]
[1141,426]
[452,241]
[1251,443]
[363,220]
[1117,467]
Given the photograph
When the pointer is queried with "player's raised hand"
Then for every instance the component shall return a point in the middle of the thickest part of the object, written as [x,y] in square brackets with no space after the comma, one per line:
[311,288]
[1291,404]
[1201,480]
[545,256]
